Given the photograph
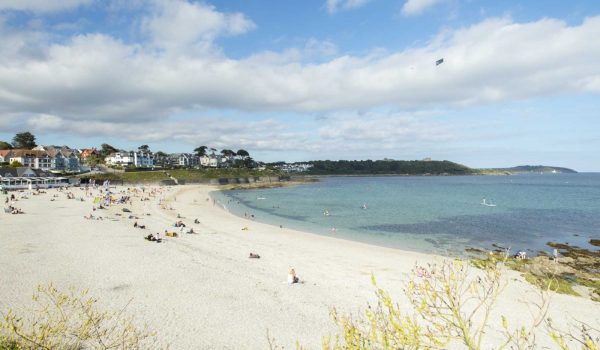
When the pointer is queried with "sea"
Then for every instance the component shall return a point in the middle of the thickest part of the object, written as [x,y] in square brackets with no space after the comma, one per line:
[435,214]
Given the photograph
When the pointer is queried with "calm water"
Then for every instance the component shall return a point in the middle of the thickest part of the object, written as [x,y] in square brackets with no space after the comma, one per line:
[435,214]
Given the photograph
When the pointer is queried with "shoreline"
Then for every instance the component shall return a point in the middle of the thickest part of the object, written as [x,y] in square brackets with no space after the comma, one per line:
[201,290]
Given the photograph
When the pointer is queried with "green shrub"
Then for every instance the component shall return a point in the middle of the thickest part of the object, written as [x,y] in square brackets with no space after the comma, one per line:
[71,321]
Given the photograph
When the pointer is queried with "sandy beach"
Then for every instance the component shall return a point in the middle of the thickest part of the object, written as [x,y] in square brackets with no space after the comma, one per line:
[201,291]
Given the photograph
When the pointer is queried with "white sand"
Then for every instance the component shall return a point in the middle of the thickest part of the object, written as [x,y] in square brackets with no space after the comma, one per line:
[202,291]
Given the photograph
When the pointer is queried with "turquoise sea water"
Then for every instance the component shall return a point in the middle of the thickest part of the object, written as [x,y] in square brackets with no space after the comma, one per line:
[435,214]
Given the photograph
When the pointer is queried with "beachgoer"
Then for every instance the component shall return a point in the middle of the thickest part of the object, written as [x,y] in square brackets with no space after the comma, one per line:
[254,256]
[292,278]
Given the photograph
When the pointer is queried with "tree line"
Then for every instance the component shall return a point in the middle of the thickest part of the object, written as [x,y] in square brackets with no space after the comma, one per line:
[397,167]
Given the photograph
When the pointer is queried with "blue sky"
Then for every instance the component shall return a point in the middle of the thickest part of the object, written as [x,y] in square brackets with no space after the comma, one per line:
[301,80]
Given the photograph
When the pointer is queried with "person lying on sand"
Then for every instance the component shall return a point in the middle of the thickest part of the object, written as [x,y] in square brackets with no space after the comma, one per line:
[245,228]
[152,238]
[254,256]
[171,234]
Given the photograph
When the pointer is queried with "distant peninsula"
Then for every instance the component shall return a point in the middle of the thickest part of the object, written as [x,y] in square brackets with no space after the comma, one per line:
[405,167]
[387,167]
[528,169]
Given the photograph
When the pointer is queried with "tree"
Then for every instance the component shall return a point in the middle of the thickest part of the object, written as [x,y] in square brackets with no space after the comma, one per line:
[248,162]
[160,154]
[107,149]
[212,151]
[16,164]
[5,145]
[94,159]
[144,148]
[24,140]
[201,151]
[242,153]
[227,153]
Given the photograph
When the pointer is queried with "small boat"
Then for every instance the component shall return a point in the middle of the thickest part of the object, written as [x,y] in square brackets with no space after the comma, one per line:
[483,202]
[364,206]
[260,198]
[326,212]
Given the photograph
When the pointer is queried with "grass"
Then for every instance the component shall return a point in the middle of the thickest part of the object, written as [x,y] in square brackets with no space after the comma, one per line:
[556,284]
[183,174]
[144,176]
[202,174]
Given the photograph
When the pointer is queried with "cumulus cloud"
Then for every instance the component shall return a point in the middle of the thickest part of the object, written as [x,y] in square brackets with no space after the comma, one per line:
[42,6]
[345,132]
[336,5]
[261,135]
[179,24]
[391,130]
[97,79]
[416,7]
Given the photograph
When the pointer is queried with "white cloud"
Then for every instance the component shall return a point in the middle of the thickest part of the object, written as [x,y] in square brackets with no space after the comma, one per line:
[336,5]
[416,7]
[179,24]
[96,79]
[391,130]
[42,6]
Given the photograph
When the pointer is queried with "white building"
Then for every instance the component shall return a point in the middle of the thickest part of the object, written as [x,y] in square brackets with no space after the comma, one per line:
[294,167]
[211,161]
[32,159]
[137,159]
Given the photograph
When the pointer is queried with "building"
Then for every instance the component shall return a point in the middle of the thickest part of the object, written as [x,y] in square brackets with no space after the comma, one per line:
[62,158]
[184,159]
[5,155]
[211,161]
[294,167]
[138,159]
[87,152]
[28,178]
[34,159]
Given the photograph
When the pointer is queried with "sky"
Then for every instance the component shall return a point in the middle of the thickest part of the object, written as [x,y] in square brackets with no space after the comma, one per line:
[292,80]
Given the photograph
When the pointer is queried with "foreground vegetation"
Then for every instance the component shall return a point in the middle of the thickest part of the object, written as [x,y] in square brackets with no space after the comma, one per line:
[452,306]
[72,320]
